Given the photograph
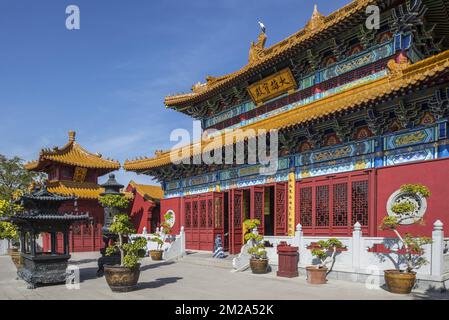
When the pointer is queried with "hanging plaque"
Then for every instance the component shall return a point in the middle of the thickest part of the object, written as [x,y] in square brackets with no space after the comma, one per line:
[272,86]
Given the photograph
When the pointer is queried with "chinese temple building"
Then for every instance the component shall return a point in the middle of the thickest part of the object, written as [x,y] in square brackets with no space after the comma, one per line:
[145,207]
[359,112]
[74,171]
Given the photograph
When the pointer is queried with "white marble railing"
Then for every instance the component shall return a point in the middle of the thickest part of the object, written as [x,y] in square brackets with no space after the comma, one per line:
[174,247]
[3,247]
[359,255]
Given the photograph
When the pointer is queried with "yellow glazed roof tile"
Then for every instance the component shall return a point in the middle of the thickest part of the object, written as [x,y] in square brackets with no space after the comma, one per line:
[82,190]
[401,77]
[72,154]
[154,192]
[317,25]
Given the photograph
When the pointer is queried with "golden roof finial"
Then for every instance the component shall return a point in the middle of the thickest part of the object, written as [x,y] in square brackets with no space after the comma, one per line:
[72,135]
[316,20]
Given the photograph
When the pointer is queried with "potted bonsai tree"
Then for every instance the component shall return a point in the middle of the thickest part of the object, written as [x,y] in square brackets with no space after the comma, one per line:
[8,231]
[156,255]
[259,260]
[402,280]
[166,226]
[124,277]
[325,251]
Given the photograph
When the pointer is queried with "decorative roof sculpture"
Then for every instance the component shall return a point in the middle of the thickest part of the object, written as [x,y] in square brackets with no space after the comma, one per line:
[262,58]
[402,76]
[72,154]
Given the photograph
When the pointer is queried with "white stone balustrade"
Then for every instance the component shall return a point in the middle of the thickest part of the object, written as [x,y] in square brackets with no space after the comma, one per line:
[172,250]
[358,261]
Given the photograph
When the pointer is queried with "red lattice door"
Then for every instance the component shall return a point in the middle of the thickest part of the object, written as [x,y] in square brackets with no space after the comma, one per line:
[236,222]
[217,217]
[258,206]
[280,209]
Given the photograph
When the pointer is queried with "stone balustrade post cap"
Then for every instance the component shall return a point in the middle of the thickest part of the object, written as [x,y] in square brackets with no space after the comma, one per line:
[438,225]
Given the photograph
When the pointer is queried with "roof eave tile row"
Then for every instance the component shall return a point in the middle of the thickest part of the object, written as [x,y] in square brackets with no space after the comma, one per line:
[370,92]
[273,54]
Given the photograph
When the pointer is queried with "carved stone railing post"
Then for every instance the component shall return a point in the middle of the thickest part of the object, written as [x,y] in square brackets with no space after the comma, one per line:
[356,245]
[298,236]
[437,262]
[182,238]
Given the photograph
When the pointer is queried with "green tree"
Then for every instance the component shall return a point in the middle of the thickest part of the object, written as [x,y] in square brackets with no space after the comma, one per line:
[130,252]
[14,177]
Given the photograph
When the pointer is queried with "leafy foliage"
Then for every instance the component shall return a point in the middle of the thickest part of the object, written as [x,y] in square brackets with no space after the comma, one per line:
[14,178]
[403,207]
[166,227]
[130,253]
[416,189]
[414,246]
[325,250]
[7,229]
[114,201]
[158,240]
[250,224]
[257,251]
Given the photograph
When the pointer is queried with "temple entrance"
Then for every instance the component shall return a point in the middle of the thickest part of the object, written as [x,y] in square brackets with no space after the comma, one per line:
[268,214]
[226,221]
[223,213]
[203,220]
[266,203]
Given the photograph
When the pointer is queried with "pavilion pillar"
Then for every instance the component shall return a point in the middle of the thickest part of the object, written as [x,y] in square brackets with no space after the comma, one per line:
[291,203]
[66,241]
[53,242]
[33,243]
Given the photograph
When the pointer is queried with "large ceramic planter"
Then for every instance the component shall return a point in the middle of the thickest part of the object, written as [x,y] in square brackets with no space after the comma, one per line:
[16,257]
[156,255]
[259,266]
[122,279]
[316,275]
[399,282]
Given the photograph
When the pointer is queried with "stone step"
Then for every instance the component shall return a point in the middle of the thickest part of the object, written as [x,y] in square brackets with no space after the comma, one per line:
[204,258]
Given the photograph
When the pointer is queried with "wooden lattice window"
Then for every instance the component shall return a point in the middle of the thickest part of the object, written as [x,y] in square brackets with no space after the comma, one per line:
[322,206]
[209,213]
[305,206]
[195,214]
[360,202]
[237,210]
[340,205]
[280,210]
[203,214]
[258,205]
[188,211]
[218,213]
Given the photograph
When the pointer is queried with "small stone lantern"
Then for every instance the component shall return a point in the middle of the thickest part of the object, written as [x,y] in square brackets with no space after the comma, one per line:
[111,187]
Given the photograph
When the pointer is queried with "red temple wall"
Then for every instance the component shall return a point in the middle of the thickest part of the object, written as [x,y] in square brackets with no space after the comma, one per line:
[175,205]
[84,237]
[143,213]
[433,174]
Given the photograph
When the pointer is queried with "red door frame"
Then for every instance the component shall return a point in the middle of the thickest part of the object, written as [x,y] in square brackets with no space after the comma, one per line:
[199,215]
[235,221]
[256,211]
[280,209]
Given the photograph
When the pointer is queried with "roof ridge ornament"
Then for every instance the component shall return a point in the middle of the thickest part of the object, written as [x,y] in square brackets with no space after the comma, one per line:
[257,49]
[398,65]
[72,136]
[316,21]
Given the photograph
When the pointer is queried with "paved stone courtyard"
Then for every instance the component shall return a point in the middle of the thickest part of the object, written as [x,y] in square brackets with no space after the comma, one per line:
[194,277]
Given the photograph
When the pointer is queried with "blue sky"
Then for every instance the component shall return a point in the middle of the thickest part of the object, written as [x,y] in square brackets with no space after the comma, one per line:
[108,80]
